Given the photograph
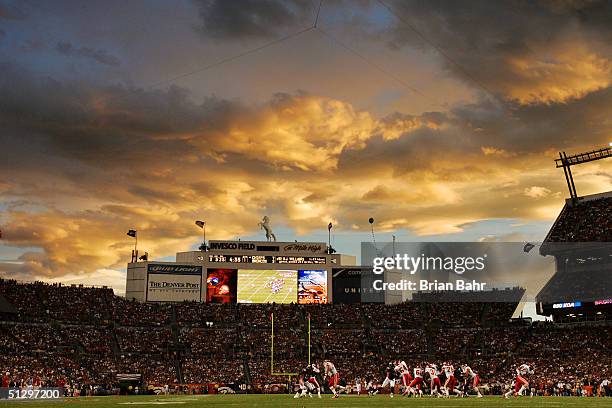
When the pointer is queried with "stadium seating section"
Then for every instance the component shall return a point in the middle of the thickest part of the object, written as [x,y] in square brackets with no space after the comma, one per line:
[86,335]
[585,221]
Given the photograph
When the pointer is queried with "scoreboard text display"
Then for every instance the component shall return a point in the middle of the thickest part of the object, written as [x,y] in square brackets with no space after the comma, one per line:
[267,259]
[174,283]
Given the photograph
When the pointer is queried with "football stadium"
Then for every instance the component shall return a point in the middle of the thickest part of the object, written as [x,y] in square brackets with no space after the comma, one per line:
[306,203]
[220,327]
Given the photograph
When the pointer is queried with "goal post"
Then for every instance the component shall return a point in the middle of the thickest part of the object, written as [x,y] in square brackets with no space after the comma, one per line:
[272,372]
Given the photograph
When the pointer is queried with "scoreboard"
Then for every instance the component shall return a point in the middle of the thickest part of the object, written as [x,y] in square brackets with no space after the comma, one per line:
[267,259]
[239,271]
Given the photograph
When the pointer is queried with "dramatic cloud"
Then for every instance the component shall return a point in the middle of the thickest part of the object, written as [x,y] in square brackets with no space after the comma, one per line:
[85,156]
[81,164]
[247,19]
[529,52]
[537,192]
[101,56]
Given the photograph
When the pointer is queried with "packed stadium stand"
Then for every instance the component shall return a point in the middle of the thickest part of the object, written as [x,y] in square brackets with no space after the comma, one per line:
[589,219]
[91,339]
[581,242]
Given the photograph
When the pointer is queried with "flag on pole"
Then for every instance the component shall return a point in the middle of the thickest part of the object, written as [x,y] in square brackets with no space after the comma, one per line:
[200,223]
[131,233]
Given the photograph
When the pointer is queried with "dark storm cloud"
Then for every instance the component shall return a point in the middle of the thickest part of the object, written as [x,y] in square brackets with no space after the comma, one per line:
[98,55]
[245,19]
[96,160]
[523,50]
[471,138]
[101,126]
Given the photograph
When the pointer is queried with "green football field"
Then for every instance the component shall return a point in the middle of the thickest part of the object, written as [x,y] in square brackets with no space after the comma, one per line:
[254,286]
[274,401]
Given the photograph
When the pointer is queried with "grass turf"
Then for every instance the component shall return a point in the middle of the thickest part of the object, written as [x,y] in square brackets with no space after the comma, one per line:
[274,401]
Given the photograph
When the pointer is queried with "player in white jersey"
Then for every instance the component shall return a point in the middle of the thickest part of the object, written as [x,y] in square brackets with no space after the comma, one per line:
[358,385]
[334,377]
[434,380]
[471,379]
[521,384]
[604,388]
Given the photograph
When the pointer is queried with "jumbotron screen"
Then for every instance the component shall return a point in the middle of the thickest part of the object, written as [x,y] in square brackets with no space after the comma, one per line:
[221,286]
[312,286]
[267,286]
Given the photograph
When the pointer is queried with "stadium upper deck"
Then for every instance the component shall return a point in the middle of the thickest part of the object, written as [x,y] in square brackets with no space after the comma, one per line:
[589,219]
[581,242]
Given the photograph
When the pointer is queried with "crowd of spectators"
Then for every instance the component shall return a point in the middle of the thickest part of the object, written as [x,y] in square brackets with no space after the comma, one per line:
[143,340]
[202,314]
[584,221]
[201,343]
[218,369]
[209,342]
[132,313]
[398,343]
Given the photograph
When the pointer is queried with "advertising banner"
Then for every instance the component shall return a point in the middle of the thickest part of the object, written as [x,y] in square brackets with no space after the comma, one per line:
[355,285]
[174,283]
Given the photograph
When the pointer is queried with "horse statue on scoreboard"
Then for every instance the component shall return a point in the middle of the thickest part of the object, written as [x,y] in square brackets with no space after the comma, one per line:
[265,225]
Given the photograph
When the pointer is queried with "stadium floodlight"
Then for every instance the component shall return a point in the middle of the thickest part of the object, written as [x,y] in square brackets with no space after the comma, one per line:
[567,162]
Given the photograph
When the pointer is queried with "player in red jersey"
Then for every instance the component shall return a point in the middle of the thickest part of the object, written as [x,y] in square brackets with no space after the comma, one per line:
[451,381]
[417,382]
[334,377]
[404,373]
[6,380]
[521,384]
[471,378]
[435,385]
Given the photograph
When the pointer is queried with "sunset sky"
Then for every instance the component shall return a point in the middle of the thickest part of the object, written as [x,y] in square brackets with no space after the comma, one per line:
[440,119]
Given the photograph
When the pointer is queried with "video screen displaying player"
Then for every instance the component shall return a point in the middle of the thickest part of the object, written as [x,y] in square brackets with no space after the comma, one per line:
[267,286]
[312,286]
[221,286]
